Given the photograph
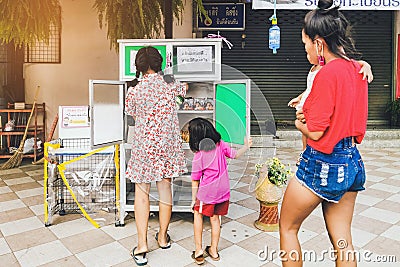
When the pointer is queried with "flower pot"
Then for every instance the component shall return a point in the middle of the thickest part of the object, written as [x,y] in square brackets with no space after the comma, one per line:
[268,220]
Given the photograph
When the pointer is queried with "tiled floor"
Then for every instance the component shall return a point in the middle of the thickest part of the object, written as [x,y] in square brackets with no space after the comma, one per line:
[73,241]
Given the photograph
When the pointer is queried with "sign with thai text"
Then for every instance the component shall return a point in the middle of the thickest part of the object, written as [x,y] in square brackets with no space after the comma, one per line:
[344,4]
[194,58]
[222,17]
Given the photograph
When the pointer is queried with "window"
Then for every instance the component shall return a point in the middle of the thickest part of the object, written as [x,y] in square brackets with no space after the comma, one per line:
[45,53]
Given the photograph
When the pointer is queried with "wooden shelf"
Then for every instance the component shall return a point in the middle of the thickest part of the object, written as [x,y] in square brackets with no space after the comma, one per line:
[36,129]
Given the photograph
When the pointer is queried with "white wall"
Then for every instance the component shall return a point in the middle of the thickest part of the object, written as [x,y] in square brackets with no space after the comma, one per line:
[85,54]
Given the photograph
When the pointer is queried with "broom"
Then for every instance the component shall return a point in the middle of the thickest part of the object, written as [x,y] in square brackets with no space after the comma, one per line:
[16,159]
[49,138]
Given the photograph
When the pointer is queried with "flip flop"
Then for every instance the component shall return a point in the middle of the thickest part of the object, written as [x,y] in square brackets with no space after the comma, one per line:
[207,252]
[168,245]
[199,260]
[140,258]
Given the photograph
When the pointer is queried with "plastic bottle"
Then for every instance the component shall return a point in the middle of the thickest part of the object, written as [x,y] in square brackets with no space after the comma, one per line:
[274,36]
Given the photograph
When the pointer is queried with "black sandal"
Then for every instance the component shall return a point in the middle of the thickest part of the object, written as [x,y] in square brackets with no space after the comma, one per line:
[168,245]
[207,252]
[140,258]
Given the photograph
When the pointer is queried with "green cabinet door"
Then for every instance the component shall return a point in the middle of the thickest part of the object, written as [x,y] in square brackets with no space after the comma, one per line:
[232,110]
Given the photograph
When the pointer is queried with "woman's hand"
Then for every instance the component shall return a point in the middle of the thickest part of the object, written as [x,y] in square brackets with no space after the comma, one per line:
[300,116]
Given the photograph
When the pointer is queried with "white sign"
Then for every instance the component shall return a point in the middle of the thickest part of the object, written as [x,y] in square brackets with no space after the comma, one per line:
[194,59]
[344,4]
[74,116]
[132,56]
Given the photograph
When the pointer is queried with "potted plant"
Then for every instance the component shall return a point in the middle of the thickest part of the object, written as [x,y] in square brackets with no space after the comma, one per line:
[272,176]
[393,109]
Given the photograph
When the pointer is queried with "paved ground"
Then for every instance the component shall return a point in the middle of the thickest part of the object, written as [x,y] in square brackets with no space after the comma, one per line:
[73,241]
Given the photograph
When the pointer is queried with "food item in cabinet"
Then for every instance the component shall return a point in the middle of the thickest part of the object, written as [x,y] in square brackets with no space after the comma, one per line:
[187,104]
[199,104]
[185,135]
[209,104]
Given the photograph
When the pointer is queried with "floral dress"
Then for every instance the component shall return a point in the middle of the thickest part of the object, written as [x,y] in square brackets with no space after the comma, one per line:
[157,146]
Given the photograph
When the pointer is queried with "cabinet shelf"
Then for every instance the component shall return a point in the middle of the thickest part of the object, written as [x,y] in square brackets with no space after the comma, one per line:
[36,129]
[196,111]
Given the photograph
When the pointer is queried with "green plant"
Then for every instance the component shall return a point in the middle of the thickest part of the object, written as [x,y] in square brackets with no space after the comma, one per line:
[278,173]
[127,19]
[393,109]
[26,22]
[201,11]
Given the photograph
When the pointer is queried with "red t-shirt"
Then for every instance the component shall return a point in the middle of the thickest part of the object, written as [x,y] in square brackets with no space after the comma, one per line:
[337,104]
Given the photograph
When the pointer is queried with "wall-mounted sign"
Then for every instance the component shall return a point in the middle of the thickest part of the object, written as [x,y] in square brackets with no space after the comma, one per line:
[223,17]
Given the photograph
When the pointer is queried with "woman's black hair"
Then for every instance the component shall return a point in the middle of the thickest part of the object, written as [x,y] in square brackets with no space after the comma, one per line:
[147,58]
[330,24]
[202,135]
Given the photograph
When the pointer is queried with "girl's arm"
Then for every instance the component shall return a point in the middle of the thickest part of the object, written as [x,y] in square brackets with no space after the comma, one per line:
[293,103]
[366,70]
[195,188]
[248,142]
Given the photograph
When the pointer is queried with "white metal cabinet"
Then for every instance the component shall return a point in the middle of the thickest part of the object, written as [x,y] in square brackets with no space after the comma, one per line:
[231,113]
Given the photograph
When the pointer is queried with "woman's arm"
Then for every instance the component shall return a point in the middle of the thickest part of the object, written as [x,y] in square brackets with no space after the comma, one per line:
[302,127]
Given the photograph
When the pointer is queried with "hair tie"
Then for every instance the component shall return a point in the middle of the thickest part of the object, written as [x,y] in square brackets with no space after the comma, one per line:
[329,8]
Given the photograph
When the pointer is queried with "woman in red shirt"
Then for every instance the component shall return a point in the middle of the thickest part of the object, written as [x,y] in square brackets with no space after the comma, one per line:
[334,119]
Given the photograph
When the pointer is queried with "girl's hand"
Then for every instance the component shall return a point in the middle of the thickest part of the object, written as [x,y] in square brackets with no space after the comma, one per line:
[192,206]
[294,102]
[366,71]
[248,142]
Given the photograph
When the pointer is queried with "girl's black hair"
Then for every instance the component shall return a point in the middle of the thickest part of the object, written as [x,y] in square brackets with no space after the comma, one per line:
[330,24]
[202,135]
[147,58]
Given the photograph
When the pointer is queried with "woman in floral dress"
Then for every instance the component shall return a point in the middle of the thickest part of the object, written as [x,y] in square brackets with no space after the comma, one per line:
[157,154]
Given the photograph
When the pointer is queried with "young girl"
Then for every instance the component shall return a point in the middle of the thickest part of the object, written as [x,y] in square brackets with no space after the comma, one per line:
[210,182]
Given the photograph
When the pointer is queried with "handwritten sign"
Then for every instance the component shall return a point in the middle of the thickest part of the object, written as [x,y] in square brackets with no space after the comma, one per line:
[223,17]
[75,116]
[194,59]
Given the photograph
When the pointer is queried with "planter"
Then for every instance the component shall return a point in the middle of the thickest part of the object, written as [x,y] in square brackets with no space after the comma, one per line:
[269,196]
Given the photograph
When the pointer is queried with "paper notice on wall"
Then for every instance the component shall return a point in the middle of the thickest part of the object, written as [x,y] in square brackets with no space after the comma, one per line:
[132,56]
[194,59]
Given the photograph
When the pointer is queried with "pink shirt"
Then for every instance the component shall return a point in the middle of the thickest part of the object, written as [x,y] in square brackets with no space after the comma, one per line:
[210,168]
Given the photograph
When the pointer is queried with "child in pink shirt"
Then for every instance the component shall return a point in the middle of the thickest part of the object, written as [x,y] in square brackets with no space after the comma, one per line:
[210,182]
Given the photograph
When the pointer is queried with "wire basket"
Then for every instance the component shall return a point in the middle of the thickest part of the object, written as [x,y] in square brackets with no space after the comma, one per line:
[91,179]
